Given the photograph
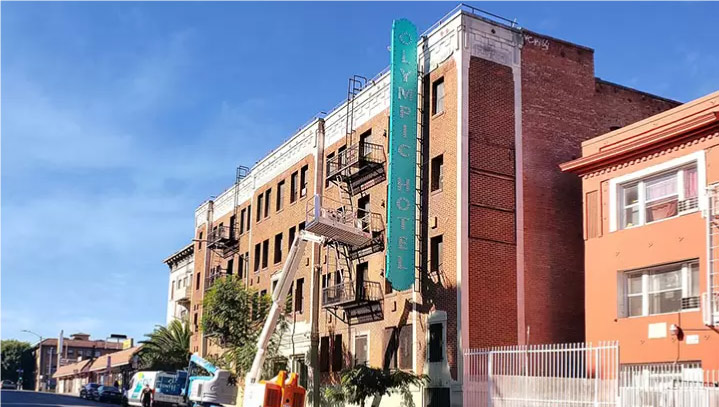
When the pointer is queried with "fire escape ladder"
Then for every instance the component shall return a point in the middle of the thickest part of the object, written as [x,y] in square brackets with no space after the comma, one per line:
[710,299]
[224,240]
[354,86]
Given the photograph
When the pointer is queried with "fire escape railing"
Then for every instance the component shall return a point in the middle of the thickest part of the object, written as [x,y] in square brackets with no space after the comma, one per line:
[351,291]
[350,161]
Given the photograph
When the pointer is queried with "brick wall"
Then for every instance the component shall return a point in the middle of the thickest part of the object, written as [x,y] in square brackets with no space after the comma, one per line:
[492,243]
[562,105]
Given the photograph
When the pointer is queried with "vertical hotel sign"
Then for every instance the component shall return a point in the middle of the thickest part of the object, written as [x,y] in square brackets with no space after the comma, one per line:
[401,210]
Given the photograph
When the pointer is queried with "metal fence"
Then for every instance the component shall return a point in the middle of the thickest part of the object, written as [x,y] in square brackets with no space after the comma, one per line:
[668,385]
[542,375]
[580,374]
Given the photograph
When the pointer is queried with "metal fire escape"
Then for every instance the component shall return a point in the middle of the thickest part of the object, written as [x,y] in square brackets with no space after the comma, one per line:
[351,297]
[224,239]
[710,298]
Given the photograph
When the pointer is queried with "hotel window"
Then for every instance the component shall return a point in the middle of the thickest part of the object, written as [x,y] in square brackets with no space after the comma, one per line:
[242,221]
[265,253]
[330,156]
[249,217]
[259,207]
[258,249]
[278,248]
[337,354]
[299,295]
[658,196]
[230,266]
[293,187]
[437,173]
[435,254]
[361,351]
[438,96]
[233,227]
[197,282]
[268,195]
[241,266]
[325,354]
[290,238]
[303,181]
[659,290]
[199,241]
[341,156]
[280,195]
[389,344]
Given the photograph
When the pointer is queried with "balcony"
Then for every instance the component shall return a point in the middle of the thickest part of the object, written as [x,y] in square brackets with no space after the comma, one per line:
[361,166]
[373,224]
[223,239]
[360,301]
[185,296]
[331,219]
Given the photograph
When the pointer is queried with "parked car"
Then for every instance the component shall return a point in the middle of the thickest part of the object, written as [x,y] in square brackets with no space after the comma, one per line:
[89,391]
[8,384]
[109,393]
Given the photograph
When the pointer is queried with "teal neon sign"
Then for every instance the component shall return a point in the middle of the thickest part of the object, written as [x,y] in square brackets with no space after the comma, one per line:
[401,185]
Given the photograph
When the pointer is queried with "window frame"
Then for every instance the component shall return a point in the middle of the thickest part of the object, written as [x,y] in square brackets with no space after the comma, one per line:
[280,196]
[435,100]
[277,253]
[437,173]
[686,278]
[304,183]
[294,184]
[366,336]
[618,184]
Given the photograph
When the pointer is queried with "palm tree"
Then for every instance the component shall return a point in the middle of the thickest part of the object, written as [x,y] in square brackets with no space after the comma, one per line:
[167,347]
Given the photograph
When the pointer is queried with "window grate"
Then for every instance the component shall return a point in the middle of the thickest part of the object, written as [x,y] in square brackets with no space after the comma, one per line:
[688,204]
[690,302]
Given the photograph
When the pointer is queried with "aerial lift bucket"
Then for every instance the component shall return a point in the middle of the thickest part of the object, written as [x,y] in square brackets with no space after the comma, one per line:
[278,392]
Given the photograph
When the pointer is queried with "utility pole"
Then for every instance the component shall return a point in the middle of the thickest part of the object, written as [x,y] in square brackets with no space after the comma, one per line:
[38,362]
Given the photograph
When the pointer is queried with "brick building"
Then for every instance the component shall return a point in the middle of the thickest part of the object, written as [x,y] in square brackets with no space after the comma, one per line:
[499,248]
[78,347]
[650,235]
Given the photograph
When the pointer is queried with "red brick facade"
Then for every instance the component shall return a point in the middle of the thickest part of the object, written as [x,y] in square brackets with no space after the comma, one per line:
[562,104]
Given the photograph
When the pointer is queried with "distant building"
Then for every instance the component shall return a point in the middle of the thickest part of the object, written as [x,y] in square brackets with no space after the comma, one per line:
[106,370]
[78,347]
[651,232]
[181,265]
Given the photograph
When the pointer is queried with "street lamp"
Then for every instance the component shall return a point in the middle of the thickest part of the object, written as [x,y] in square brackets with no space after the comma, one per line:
[38,364]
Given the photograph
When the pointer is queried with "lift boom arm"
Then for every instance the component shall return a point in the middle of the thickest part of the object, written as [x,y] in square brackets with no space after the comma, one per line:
[279,296]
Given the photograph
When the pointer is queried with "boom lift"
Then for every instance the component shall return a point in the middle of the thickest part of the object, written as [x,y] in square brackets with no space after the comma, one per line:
[210,390]
[324,224]
[259,394]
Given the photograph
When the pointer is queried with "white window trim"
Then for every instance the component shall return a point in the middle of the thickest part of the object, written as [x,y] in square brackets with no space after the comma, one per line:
[685,274]
[616,183]
[354,346]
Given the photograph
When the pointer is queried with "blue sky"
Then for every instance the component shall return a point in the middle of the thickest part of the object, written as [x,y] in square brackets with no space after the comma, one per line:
[119,119]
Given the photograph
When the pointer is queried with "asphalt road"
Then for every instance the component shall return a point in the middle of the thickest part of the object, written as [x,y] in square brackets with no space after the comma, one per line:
[14,398]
